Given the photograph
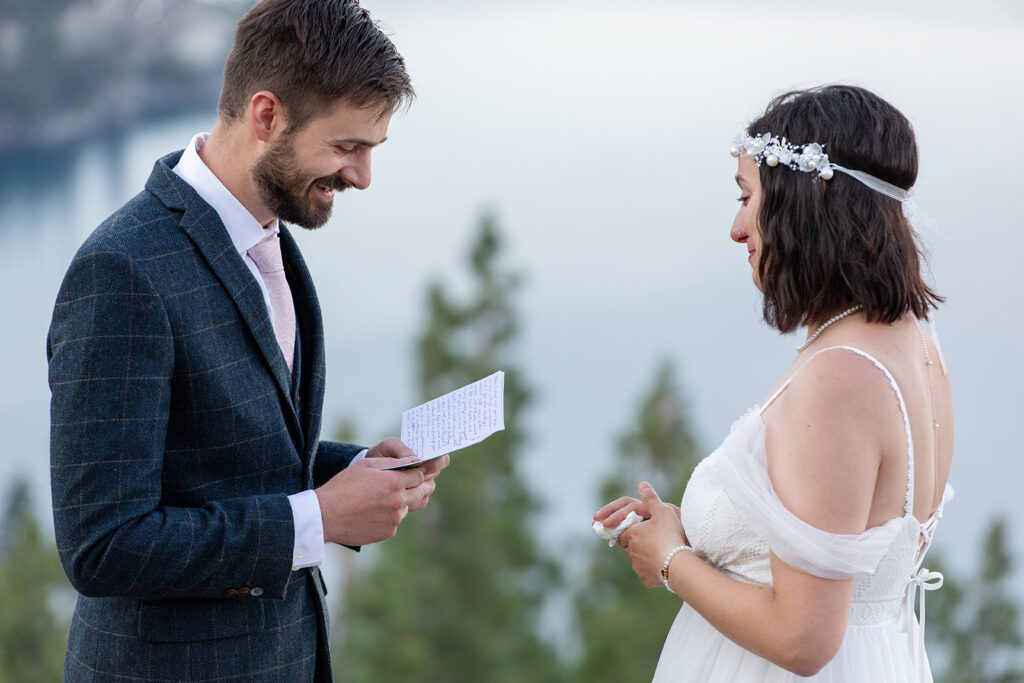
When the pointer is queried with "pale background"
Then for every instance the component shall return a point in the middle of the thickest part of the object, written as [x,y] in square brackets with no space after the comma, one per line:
[598,133]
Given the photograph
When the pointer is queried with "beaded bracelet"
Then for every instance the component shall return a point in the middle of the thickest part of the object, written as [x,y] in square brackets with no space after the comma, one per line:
[668,561]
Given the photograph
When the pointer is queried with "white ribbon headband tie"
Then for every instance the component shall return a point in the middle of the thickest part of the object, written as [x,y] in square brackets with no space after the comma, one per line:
[811,158]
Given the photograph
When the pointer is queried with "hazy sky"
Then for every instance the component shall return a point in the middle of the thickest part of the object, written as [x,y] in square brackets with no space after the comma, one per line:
[598,133]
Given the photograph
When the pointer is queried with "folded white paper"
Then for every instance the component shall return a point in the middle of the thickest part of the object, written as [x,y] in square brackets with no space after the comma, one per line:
[458,419]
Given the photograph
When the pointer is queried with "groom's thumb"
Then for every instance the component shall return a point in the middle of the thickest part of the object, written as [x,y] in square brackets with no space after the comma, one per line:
[648,495]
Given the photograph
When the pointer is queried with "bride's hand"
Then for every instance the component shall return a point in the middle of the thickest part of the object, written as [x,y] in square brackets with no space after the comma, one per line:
[612,514]
[648,543]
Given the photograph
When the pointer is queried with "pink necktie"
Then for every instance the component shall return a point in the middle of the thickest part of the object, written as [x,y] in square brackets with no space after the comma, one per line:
[267,256]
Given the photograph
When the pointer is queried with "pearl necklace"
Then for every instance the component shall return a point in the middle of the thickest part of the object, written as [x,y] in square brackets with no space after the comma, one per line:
[825,325]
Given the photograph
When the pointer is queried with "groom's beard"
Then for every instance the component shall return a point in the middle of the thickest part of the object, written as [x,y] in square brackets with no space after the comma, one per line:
[288,192]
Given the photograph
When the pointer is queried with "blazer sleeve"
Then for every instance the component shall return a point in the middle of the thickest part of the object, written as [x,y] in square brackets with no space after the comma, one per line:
[332,457]
[111,360]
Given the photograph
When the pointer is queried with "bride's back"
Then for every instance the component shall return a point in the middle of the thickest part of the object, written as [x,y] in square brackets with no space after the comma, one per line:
[907,350]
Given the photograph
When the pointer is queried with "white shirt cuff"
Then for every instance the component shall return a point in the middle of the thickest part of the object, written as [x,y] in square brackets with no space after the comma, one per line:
[359,456]
[308,550]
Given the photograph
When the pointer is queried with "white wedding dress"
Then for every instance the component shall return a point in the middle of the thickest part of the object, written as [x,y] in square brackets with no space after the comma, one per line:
[733,517]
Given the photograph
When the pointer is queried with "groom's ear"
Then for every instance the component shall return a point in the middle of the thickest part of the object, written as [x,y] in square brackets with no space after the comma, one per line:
[267,118]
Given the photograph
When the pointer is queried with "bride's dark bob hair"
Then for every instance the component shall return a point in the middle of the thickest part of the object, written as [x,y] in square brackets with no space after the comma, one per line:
[828,245]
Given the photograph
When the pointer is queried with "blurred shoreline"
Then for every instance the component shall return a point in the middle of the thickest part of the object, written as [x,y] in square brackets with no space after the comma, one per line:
[70,71]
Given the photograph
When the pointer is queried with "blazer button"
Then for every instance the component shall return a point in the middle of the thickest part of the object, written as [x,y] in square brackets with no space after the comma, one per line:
[243,591]
[231,592]
[256,591]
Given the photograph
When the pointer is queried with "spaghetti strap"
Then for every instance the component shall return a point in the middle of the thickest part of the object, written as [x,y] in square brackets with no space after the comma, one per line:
[774,396]
[908,500]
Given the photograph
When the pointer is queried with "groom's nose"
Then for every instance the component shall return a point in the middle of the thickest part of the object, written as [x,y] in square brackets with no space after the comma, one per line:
[357,172]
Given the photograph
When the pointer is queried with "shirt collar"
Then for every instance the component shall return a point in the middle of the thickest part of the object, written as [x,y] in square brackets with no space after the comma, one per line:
[242,226]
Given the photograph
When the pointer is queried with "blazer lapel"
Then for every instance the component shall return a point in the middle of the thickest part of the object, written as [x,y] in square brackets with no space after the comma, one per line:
[202,224]
[307,312]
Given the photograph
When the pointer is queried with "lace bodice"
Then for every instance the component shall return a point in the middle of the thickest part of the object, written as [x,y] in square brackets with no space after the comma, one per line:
[732,517]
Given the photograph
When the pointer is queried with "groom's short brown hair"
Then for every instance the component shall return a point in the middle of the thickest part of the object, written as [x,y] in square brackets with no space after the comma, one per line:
[310,53]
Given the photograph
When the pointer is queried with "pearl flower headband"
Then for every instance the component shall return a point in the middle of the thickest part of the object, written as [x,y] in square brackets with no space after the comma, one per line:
[809,158]
[773,151]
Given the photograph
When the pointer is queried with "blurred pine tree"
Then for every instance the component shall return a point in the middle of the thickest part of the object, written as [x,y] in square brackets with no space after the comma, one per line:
[622,624]
[974,626]
[455,595]
[32,636]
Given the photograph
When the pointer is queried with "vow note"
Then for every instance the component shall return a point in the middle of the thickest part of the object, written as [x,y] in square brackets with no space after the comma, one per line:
[458,419]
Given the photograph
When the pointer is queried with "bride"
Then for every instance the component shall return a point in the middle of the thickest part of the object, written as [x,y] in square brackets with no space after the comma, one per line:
[797,549]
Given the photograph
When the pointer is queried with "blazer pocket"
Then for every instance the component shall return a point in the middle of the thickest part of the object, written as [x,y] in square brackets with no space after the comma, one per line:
[182,621]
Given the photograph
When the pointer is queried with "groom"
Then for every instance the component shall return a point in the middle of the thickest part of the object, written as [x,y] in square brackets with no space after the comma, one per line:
[192,496]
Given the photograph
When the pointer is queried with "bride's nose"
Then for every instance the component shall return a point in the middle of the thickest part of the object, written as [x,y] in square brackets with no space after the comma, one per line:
[738,233]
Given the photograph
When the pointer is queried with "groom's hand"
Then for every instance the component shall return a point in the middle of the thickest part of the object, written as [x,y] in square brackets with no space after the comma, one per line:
[365,503]
[394,448]
[430,469]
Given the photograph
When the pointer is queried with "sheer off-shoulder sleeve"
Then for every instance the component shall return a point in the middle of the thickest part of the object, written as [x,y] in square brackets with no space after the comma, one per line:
[742,473]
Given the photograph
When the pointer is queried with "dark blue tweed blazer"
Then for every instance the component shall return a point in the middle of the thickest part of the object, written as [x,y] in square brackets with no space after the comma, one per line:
[175,441]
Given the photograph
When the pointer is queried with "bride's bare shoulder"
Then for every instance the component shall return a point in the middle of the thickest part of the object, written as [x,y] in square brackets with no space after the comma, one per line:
[825,436]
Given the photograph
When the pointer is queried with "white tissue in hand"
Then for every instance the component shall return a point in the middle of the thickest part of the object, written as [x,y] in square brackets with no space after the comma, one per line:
[612,535]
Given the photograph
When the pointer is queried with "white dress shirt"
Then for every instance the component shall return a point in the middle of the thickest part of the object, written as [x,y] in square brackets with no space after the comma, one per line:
[246,232]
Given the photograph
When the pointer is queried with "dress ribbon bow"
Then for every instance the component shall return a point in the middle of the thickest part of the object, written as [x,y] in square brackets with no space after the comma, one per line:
[920,583]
